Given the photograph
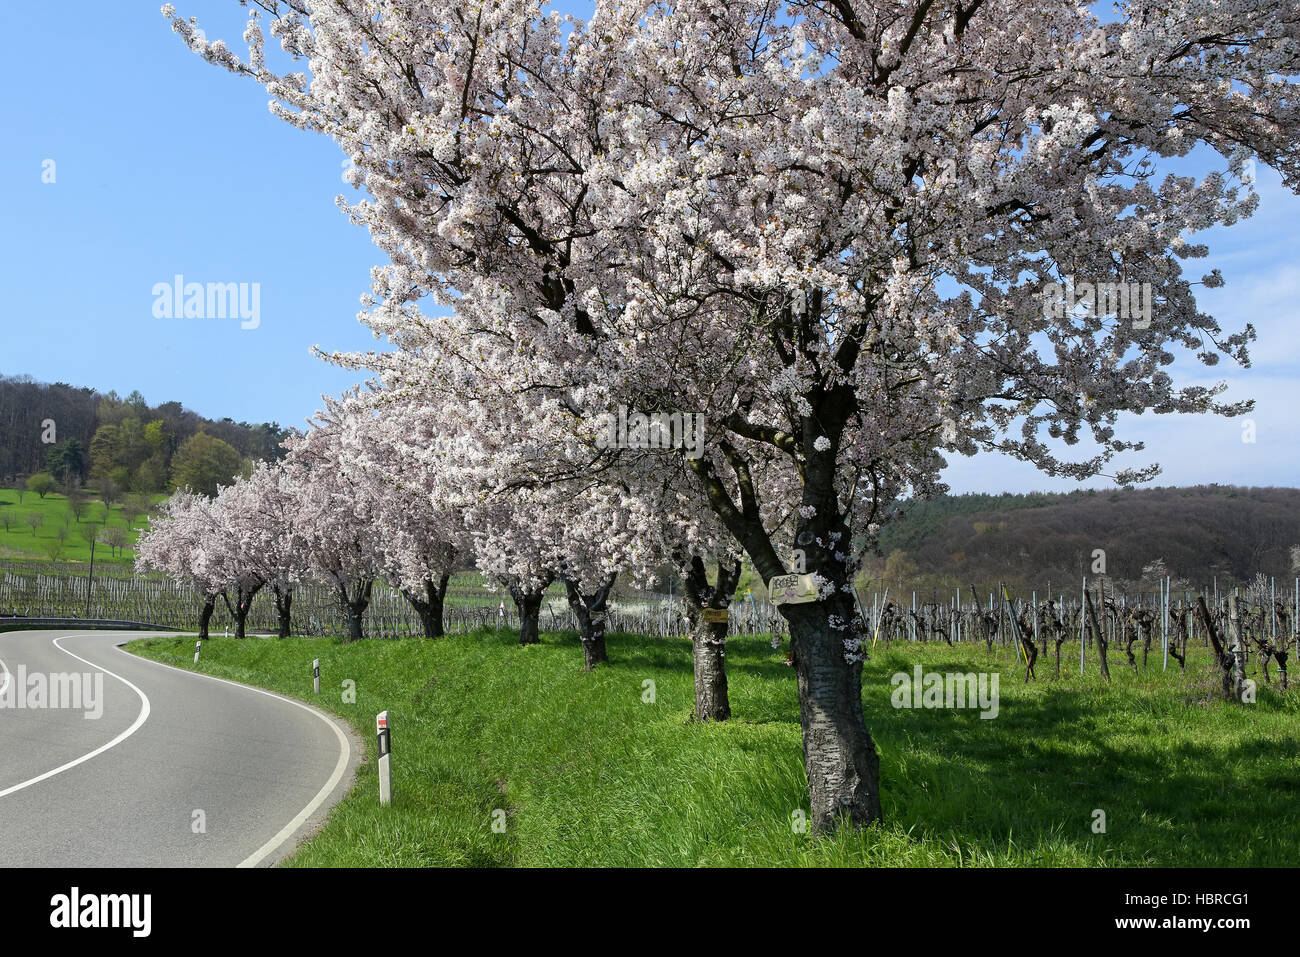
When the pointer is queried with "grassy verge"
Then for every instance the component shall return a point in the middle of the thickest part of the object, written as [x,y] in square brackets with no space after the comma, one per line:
[584,772]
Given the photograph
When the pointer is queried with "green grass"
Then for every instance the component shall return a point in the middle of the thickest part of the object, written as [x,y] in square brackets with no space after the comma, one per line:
[19,542]
[588,774]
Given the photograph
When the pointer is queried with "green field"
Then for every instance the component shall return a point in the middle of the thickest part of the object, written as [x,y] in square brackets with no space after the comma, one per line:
[588,774]
[19,541]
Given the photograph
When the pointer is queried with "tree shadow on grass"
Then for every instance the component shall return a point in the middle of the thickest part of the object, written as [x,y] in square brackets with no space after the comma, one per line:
[1038,774]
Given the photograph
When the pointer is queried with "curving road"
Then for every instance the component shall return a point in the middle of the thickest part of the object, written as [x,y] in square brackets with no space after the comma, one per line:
[123,789]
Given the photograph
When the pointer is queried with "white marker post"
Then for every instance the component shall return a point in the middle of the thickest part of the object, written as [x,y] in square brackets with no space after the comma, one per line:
[385,760]
[197,645]
[315,675]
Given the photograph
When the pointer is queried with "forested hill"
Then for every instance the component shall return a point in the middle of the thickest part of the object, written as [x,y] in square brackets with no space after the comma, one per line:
[1198,532]
[96,436]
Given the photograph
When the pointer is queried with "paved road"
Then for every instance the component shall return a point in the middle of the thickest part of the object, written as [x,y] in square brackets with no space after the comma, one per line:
[122,789]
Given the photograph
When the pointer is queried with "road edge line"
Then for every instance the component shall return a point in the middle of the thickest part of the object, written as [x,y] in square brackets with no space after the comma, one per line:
[135,726]
[345,757]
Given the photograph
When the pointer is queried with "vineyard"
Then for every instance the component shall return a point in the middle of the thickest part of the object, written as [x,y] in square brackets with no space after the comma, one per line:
[1094,626]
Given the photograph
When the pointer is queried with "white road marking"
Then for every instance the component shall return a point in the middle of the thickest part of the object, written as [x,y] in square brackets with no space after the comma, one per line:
[345,751]
[4,687]
[139,722]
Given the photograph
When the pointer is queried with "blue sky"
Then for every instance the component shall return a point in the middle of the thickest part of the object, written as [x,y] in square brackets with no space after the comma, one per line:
[164,165]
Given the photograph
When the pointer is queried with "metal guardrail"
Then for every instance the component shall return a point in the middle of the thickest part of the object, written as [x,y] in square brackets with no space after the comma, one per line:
[21,623]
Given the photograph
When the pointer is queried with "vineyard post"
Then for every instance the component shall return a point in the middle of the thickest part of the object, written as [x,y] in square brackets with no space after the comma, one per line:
[1098,636]
[1272,611]
[1164,621]
[1002,618]
[1083,627]
[90,578]
[1034,606]
[861,608]
[1238,645]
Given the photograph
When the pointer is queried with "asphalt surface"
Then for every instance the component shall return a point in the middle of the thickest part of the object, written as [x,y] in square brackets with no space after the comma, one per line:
[123,789]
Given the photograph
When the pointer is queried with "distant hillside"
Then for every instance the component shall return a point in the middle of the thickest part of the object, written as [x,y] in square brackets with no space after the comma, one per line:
[1199,532]
[76,433]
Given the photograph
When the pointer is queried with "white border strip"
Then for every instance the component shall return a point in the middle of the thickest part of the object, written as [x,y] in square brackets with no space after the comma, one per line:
[345,753]
[139,722]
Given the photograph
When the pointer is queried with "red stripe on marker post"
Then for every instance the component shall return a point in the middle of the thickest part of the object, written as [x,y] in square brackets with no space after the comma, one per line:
[385,759]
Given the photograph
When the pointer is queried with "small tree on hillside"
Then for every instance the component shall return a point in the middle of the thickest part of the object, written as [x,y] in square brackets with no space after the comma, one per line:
[116,538]
[204,463]
[42,483]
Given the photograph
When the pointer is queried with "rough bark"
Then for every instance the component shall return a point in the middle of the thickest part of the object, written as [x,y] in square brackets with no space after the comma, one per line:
[1238,646]
[245,592]
[354,603]
[826,636]
[839,756]
[205,616]
[1130,636]
[283,608]
[1098,635]
[709,639]
[1179,638]
[429,605]
[1227,661]
[528,602]
[590,610]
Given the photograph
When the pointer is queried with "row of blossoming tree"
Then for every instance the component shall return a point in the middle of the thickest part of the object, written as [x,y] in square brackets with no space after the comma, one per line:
[825,225]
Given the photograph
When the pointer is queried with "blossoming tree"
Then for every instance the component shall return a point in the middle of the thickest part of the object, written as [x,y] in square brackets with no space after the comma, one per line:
[337,512]
[178,535]
[831,228]
[261,515]
[420,536]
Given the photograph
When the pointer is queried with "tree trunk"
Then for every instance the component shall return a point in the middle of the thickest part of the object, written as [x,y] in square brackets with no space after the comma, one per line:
[529,605]
[354,606]
[709,651]
[1098,635]
[283,606]
[709,639]
[429,606]
[244,595]
[1178,639]
[1227,661]
[591,615]
[205,616]
[826,636]
[839,755]
[1238,647]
